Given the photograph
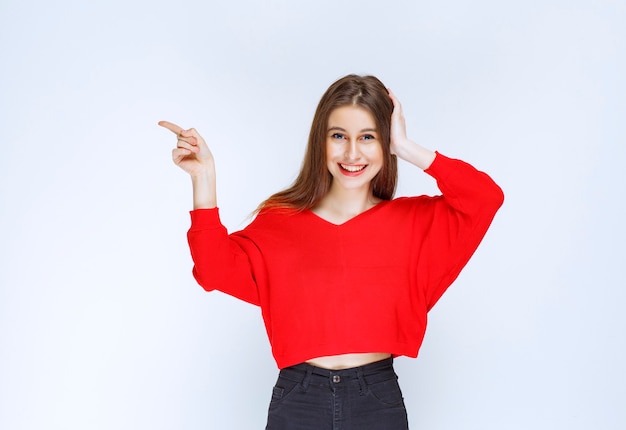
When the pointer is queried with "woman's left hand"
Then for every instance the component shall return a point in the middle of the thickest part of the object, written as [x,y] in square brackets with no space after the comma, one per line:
[399,140]
[401,145]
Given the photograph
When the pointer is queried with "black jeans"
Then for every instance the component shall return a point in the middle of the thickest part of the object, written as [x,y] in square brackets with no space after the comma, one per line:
[306,397]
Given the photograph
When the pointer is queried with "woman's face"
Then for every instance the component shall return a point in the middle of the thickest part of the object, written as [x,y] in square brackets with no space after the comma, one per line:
[354,153]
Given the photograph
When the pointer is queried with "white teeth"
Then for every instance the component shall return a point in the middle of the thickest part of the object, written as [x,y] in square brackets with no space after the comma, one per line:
[352,168]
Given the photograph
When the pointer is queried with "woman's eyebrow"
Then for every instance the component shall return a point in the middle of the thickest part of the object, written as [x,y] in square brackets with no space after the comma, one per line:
[336,128]
[365,130]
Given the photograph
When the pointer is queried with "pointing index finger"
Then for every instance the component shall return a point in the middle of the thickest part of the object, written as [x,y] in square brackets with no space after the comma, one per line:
[171,127]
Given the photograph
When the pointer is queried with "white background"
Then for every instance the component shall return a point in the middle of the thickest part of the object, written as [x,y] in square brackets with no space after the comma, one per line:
[101,323]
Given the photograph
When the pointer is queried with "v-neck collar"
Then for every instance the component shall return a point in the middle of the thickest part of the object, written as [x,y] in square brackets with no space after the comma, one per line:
[350,220]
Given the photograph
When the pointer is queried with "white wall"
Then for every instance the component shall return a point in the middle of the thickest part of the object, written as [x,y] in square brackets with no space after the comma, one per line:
[101,323]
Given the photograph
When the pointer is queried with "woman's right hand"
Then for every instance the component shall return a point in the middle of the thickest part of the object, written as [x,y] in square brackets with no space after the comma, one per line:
[191,154]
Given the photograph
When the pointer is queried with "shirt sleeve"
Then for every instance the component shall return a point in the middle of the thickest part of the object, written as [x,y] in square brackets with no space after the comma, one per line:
[221,261]
[457,222]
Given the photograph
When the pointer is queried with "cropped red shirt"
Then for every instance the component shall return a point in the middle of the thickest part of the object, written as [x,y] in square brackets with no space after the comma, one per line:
[363,286]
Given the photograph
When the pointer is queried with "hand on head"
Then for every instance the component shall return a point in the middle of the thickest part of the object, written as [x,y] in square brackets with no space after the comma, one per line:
[398,126]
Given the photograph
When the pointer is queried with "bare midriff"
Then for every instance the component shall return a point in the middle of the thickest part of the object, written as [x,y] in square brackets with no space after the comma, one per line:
[346,361]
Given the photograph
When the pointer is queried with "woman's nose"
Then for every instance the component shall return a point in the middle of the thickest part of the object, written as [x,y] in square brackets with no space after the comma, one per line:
[352,150]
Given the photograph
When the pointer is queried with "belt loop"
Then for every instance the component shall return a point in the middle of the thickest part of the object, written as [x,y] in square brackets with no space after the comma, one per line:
[307,377]
[362,383]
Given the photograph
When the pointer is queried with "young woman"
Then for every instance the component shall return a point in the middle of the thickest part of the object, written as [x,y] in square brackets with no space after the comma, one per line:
[343,273]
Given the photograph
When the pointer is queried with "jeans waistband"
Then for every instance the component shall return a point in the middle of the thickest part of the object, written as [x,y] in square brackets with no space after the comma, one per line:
[369,373]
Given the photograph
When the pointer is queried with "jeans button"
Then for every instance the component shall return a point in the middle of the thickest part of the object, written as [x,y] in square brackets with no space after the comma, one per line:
[336,379]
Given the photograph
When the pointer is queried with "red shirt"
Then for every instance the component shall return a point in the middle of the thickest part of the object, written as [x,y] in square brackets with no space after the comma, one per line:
[363,286]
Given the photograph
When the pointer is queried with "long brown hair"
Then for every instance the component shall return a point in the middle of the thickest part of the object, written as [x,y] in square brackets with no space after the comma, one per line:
[314,179]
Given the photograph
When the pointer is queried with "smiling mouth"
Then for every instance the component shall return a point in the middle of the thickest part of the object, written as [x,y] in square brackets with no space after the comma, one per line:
[352,168]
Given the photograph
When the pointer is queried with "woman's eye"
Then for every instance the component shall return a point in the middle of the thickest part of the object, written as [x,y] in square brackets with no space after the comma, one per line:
[368,137]
[337,136]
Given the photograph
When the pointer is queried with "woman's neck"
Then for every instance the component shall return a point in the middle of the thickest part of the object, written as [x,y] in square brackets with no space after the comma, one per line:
[338,206]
